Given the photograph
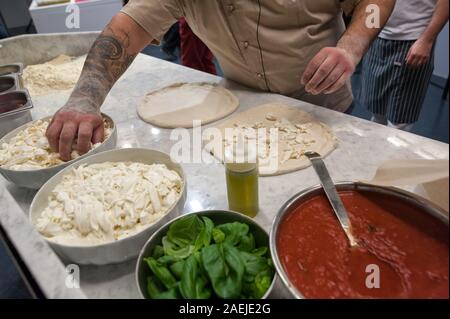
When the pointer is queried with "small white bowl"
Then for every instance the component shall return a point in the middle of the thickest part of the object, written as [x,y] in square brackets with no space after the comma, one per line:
[34,179]
[123,249]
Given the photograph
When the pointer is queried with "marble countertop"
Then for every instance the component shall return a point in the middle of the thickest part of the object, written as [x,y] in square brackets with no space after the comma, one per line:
[363,146]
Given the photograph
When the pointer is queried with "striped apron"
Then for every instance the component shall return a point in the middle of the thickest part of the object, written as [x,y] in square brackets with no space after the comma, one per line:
[391,88]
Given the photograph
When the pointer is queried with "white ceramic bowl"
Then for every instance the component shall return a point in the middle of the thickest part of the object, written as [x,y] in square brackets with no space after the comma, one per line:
[34,179]
[123,249]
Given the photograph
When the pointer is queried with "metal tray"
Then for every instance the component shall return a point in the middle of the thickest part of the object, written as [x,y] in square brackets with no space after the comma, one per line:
[9,83]
[14,68]
[15,110]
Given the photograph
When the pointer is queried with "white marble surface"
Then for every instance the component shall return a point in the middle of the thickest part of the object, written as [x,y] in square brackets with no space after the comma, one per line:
[363,147]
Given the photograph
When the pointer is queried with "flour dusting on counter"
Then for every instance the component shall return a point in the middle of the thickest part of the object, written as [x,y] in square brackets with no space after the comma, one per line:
[101,203]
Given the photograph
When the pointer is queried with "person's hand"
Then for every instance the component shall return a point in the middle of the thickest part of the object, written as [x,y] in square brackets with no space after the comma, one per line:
[328,71]
[72,122]
[419,53]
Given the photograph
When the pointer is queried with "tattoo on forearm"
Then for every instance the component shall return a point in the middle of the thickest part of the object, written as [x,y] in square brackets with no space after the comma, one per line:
[107,60]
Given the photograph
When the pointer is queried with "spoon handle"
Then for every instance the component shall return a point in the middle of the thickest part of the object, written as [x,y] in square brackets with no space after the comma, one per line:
[332,194]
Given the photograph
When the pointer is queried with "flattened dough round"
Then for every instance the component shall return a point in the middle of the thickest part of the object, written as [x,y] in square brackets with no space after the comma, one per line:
[178,105]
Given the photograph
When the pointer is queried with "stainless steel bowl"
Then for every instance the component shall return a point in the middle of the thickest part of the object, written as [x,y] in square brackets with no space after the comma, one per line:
[126,248]
[34,179]
[303,196]
[15,110]
[218,217]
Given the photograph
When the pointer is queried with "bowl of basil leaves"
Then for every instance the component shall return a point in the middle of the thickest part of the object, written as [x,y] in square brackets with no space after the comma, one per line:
[207,255]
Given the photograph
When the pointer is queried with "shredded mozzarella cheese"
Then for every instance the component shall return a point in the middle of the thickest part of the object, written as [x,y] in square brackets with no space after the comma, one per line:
[30,150]
[105,202]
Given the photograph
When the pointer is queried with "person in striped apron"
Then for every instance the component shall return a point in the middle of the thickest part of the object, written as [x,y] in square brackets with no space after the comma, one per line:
[398,66]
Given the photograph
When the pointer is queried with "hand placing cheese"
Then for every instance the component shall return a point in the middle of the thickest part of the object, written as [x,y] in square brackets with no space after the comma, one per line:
[30,150]
[104,202]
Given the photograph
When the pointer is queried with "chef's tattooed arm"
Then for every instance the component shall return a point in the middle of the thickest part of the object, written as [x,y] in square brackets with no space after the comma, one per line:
[109,57]
[107,60]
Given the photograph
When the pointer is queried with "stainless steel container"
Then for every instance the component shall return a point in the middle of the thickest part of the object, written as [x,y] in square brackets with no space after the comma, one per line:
[121,250]
[218,217]
[14,68]
[309,193]
[15,111]
[8,83]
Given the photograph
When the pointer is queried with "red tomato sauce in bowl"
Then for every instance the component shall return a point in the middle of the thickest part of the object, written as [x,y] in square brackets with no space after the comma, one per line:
[403,250]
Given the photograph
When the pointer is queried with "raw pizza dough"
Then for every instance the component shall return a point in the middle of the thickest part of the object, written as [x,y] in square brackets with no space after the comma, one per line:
[59,74]
[178,105]
[298,132]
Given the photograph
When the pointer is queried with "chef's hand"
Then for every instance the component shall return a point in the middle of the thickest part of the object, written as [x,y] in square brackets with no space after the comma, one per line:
[328,71]
[70,123]
[419,53]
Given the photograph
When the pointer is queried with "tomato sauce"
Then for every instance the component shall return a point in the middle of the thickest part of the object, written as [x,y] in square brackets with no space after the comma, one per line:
[403,254]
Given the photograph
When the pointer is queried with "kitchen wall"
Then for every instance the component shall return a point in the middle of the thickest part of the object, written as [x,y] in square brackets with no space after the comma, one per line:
[15,12]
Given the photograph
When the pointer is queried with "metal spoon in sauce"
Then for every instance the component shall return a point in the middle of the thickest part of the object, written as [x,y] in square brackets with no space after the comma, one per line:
[333,196]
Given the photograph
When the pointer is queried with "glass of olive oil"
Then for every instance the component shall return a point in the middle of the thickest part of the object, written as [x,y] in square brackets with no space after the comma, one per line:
[242,180]
[243,191]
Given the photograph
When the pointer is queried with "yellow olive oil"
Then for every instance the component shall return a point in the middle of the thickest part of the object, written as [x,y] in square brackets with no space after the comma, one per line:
[243,191]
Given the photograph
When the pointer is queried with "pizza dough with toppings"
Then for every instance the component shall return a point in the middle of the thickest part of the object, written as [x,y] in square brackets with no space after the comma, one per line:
[178,105]
[297,131]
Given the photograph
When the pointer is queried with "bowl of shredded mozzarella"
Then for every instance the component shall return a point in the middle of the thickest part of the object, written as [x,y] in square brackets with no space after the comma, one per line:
[102,209]
[27,160]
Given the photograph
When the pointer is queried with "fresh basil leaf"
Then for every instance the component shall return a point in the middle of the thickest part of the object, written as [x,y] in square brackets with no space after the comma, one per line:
[204,238]
[153,289]
[253,264]
[177,268]
[258,287]
[258,274]
[225,269]
[158,251]
[193,284]
[156,290]
[161,272]
[166,260]
[263,280]
[218,235]
[247,243]
[185,231]
[173,250]
[172,293]
[209,226]
[234,232]
[261,251]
